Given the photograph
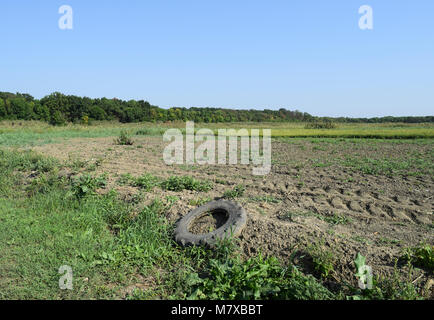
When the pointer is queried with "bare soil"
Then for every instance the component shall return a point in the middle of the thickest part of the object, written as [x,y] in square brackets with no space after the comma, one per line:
[294,206]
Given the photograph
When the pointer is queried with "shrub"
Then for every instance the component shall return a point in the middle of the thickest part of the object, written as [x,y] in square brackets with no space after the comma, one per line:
[85,120]
[124,139]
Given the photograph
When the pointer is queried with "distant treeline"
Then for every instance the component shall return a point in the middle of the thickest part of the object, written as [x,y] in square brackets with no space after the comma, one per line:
[58,109]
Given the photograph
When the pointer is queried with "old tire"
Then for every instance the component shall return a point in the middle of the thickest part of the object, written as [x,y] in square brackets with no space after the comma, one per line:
[236,220]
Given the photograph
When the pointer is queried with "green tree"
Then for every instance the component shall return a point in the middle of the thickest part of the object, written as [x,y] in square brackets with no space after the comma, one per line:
[3,112]
[41,111]
[57,118]
[21,109]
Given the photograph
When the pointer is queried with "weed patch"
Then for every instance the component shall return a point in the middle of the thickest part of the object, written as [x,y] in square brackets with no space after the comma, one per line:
[228,277]
[146,182]
[421,256]
[236,192]
[86,184]
[323,260]
[176,183]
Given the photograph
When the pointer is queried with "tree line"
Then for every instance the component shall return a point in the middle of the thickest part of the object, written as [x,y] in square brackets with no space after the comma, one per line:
[58,109]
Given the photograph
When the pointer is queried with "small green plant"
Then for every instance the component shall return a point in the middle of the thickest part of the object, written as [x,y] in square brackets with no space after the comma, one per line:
[221,181]
[124,139]
[236,192]
[361,239]
[320,164]
[85,185]
[176,183]
[262,211]
[335,219]
[421,256]
[387,241]
[199,201]
[323,260]
[125,179]
[146,182]
[171,199]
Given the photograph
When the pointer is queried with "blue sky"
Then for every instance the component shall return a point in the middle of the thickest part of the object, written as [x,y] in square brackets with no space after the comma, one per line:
[304,54]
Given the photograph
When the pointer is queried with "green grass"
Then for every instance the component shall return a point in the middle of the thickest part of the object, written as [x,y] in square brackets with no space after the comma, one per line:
[146,182]
[43,230]
[320,164]
[36,133]
[235,192]
[86,184]
[199,201]
[409,166]
[364,131]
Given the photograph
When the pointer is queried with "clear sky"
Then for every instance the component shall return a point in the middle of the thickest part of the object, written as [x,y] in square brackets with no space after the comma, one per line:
[302,54]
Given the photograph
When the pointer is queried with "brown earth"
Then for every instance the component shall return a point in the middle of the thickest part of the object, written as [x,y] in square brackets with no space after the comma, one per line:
[295,205]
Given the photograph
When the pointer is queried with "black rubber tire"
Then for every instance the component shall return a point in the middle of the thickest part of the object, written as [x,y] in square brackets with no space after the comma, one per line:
[235,223]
